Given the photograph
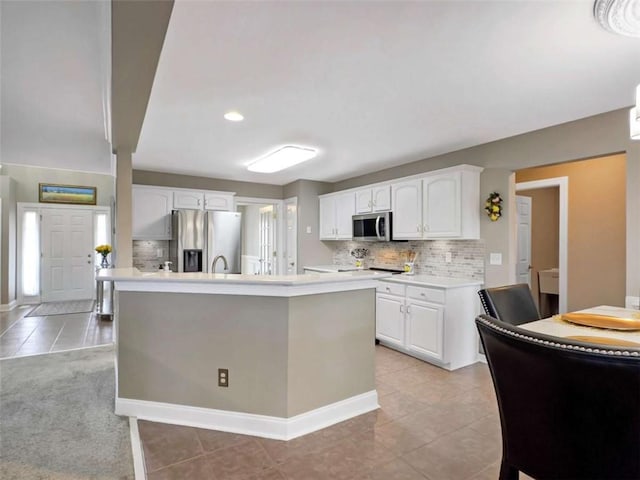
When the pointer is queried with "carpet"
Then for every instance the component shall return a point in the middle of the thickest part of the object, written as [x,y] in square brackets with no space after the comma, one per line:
[61,308]
[57,420]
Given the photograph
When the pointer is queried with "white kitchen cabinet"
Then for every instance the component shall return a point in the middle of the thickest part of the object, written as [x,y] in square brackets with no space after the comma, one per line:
[424,329]
[151,213]
[390,320]
[438,205]
[336,212]
[406,198]
[199,200]
[433,323]
[374,199]
[441,215]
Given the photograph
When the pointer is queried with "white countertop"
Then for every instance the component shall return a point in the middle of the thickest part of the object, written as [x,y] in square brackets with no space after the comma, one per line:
[432,281]
[131,279]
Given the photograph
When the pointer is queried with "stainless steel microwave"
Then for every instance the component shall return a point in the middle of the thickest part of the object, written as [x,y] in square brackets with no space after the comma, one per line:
[372,227]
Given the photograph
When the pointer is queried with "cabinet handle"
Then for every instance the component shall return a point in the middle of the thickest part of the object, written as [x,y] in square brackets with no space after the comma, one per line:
[408,309]
[418,228]
[401,309]
[425,228]
[388,289]
[198,202]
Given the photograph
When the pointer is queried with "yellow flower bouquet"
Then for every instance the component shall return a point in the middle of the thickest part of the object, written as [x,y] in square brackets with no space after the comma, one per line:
[104,249]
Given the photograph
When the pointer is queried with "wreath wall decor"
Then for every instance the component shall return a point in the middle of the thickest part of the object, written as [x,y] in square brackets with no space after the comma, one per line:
[493,206]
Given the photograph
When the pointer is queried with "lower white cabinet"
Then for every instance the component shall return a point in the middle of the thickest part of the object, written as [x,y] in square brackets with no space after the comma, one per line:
[435,324]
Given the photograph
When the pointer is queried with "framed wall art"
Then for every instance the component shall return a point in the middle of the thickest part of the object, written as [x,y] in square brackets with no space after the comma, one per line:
[74,194]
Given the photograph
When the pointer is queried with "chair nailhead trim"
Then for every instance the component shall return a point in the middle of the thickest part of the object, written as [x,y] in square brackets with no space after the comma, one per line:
[568,346]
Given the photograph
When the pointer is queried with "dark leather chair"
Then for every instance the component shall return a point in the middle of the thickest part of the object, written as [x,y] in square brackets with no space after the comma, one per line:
[513,304]
[568,409]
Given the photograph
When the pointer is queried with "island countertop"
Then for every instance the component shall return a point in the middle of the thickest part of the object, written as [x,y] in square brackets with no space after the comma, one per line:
[131,279]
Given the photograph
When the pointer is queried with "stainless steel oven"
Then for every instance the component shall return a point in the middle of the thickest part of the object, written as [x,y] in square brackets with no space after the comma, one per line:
[373,227]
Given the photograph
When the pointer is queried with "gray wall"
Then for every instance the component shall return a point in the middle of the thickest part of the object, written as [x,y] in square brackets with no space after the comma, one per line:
[496,234]
[27,179]
[285,356]
[311,251]
[242,189]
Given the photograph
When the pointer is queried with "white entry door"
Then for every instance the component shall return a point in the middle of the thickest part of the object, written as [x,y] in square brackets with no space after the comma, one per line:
[523,266]
[67,268]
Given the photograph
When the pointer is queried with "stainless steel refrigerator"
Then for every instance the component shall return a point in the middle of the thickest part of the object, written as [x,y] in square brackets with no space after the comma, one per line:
[199,237]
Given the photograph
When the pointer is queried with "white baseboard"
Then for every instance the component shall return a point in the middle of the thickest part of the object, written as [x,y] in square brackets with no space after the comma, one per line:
[136,450]
[265,426]
[7,307]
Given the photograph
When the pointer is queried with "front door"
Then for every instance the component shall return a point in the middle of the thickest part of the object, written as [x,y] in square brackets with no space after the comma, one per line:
[67,268]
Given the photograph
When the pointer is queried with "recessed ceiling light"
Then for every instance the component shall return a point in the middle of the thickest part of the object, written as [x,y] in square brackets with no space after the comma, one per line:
[283,157]
[234,116]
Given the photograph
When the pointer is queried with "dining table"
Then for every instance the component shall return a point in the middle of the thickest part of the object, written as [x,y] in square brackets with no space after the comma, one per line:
[557,327]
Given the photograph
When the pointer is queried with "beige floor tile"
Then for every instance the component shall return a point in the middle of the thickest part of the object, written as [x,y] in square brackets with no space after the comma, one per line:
[197,468]
[460,455]
[240,462]
[166,445]
[432,424]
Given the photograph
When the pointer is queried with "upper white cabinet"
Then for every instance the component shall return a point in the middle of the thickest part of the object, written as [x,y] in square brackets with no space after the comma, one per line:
[438,205]
[407,209]
[374,199]
[151,215]
[198,200]
[336,212]
[441,214]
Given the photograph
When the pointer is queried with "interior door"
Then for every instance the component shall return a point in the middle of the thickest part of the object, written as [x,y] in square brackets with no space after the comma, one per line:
[67,269]
[523,265]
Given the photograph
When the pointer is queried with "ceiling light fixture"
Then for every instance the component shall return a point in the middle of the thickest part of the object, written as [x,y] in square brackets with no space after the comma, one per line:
[283,157]
[618,16]
[234,116]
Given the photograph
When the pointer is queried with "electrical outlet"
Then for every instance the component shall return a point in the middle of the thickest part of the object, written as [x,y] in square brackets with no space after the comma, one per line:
[159,253]
[223,377]
[447,257]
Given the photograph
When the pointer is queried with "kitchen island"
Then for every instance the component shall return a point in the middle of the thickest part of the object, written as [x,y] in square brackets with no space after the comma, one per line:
[298,350]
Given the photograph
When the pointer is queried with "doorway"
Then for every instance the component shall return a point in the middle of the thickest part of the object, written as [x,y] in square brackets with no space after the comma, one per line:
[546,304]
[262,251]
[55,250]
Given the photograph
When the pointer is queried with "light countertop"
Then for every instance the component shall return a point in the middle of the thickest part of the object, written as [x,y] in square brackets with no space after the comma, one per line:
[433,281]
[131,279]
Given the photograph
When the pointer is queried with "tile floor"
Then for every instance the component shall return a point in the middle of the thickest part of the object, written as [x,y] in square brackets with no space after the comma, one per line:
[432,424]
[20,335]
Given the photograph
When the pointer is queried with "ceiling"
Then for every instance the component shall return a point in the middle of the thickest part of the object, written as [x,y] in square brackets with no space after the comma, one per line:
[370,84]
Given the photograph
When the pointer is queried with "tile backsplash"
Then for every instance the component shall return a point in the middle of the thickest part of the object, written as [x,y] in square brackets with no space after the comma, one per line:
[145,254]
[467,256]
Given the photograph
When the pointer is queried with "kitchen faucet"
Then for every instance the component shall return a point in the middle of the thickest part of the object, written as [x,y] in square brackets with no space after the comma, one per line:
[215,260]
